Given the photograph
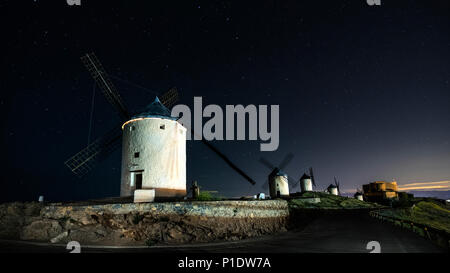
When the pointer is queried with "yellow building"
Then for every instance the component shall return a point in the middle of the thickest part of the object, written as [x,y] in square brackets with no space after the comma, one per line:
[380,191]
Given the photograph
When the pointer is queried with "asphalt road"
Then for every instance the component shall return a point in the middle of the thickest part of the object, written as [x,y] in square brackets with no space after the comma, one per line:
[325,234]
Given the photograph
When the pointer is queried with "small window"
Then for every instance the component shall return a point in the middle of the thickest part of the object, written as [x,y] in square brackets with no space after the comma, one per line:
[136,154]
[162,126]
[132,128]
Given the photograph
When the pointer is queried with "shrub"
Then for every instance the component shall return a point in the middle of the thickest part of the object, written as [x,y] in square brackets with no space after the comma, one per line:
[207,196]
[137,218]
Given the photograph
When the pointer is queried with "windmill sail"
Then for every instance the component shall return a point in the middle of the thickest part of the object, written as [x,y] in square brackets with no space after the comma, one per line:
[274,170]
[294,183]
[169,98]
[265,185]
[103,81]
[287,159]
[227,160]
[336,182]
[266,163]
[313,180]
[85,160]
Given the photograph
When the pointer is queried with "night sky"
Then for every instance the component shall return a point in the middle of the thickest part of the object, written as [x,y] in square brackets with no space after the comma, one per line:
[363,90]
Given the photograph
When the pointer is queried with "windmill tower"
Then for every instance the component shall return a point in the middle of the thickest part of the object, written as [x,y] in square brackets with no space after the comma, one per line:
[153,145]
[334,188]
[277,179]
[358,195]
[307,181]
[154,154]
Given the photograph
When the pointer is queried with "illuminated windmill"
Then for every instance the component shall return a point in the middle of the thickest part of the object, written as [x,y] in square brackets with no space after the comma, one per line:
[334,189]
[153,143]
[358,194]
[306,181]
[277,179]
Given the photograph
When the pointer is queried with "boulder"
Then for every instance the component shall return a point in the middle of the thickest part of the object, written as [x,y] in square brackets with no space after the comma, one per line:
[59,237]
[41,230]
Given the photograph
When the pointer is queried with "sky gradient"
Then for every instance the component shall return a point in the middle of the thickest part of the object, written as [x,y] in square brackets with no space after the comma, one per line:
[363,91]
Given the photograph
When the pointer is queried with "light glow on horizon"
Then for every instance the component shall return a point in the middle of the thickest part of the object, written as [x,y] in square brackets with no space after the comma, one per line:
[436,186]
[417,186]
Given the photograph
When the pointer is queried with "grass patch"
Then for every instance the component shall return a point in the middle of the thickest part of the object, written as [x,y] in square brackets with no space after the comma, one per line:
[207,196]
[329,201]
[429,213]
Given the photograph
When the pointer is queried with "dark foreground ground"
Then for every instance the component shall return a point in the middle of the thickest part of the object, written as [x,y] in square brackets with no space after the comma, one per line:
[347,233]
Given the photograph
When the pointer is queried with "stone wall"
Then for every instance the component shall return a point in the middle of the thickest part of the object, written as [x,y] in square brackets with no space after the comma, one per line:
[149,223]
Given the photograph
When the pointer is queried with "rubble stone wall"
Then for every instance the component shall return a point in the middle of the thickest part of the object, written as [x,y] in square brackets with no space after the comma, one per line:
[143,223]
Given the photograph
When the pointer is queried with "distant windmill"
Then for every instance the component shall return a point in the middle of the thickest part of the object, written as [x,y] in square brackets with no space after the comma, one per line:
[334,189]
[358,194]
[306,181]
[277,179]
[154,150]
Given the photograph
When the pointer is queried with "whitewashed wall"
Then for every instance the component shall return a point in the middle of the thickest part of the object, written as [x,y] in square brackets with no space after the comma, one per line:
[278,183]
[306,185]
[162,156]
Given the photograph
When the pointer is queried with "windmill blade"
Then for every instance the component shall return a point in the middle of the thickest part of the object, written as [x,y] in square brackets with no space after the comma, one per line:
[266,163]
[226,159]
[169,98]
[85,160]
[102,79]
[265,185]
[336,182]
[313,180]
[286,161]
[293,184]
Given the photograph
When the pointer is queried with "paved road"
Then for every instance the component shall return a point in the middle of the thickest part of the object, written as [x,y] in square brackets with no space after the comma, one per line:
[329,233]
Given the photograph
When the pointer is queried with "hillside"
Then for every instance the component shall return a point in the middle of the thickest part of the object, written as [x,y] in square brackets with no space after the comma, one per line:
[329,201]
[430,213]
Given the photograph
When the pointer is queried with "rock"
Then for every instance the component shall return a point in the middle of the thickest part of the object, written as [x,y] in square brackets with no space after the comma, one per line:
[59,237]
[101,232]
[87,220]
[32,209]
[41,230]
[175,234]
[15,209]
[121,224]
[85,236]
[10,227]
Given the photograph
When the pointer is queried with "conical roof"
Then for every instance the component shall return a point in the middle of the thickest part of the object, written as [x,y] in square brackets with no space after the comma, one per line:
[281,173]
[332,186]
[277,172]
[305,176]
[155,109]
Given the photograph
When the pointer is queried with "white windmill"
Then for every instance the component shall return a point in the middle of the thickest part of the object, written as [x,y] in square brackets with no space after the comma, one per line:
[153,145]
[359,194]
[277,179]
[334,188]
